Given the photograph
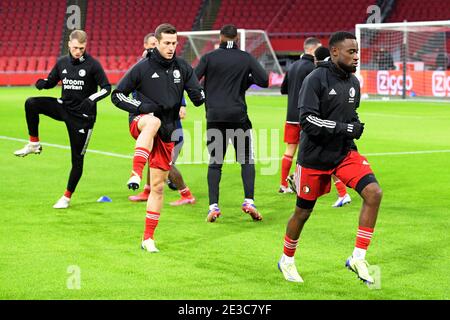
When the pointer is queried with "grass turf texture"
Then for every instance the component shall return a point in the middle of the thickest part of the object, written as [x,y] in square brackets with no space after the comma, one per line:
[234,258]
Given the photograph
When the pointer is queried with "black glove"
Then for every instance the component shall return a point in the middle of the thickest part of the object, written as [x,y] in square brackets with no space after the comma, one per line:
[355,130]
[86,107]
[146,108]
[40,84]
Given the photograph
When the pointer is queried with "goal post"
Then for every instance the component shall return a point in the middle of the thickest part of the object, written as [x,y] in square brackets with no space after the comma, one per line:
[404,60]
[194,44]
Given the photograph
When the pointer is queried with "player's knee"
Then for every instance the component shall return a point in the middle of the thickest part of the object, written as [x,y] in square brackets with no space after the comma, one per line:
[372,194]
[30,103]
[152,123]
[149,125]
[158,188]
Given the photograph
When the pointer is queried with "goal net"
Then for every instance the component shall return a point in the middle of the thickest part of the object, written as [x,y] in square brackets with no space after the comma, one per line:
[404,60]
[194,44]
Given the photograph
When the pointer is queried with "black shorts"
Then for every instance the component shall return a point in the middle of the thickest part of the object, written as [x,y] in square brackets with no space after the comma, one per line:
[220,134]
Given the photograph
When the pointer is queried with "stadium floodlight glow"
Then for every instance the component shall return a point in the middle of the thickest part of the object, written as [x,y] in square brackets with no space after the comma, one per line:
[422,47]
[255,42]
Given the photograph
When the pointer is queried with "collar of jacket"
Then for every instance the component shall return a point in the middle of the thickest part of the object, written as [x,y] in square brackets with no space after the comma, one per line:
[338,71]
[158,58]
[308,57]
[78,61]
[228,45]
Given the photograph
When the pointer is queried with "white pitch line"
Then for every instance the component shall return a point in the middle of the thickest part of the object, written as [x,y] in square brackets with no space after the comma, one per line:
[112,154]
[118,155]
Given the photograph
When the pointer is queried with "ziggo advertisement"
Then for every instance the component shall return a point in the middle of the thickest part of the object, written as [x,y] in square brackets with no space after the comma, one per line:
[418,83]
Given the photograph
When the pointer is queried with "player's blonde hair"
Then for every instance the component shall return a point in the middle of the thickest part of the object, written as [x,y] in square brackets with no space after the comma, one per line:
[80,35]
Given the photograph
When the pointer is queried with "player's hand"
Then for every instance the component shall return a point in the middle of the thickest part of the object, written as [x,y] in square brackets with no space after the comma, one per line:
[146,108]
[86,106]
[182,112]
[40,84]
[355,129]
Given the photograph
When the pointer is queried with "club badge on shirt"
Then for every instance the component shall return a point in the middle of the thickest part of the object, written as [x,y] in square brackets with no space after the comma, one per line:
[176,76]
[352,93]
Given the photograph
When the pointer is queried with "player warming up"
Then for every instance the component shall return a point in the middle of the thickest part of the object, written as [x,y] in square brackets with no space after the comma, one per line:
[327,148]
[175,181]
[80,75]
[228,72]
[158,82]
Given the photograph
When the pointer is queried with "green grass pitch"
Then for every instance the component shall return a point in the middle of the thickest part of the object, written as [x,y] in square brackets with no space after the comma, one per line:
[235,258]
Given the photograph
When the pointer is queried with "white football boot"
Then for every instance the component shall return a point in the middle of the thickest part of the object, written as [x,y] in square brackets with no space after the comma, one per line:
[289,270]
[361,268]
[149,245]
[62,203]
[342,201]
[32,147]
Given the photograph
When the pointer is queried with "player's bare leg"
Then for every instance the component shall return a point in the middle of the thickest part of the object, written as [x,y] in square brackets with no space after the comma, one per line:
[186,195]
[148,126]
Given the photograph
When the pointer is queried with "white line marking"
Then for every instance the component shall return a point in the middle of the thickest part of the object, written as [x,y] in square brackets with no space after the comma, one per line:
[118,155]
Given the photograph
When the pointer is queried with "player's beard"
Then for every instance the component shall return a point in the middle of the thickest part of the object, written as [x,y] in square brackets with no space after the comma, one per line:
[347,68]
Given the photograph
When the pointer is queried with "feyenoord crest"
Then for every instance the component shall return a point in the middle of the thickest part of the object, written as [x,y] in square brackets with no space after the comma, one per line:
[306,189]
[352,92]
[176,76]
[82,72]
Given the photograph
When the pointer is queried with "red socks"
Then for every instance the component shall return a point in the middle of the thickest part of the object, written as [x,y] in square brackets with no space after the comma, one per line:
[151,221]
[68,194]
[286,164]
[34,139]
[186,193]
[340,187]
[363,237]
[290,246]
[139,160]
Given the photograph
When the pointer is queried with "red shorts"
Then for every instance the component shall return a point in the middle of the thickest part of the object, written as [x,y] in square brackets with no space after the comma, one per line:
[292,133]
[134,130]
[161,155]
[312,183]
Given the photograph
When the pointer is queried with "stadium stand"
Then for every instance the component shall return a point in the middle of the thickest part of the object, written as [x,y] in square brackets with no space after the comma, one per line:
[30,45]
[117,31]
[419,10]
[116,27]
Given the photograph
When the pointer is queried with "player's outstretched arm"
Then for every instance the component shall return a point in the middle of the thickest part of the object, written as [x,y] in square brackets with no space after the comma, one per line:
[51,81]
[193,87]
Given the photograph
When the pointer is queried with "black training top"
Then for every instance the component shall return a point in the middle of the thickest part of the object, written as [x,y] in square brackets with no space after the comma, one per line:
[228,73]
[292,83]
[79,78]
[159,84]
[328,101]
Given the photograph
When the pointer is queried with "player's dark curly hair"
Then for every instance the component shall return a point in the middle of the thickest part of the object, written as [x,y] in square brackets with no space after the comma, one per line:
[339,37]
[229,31]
